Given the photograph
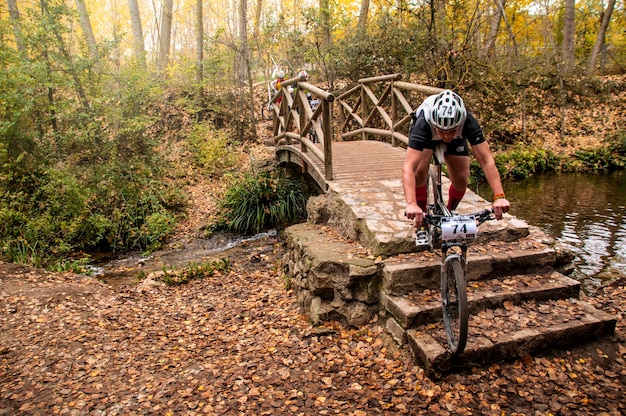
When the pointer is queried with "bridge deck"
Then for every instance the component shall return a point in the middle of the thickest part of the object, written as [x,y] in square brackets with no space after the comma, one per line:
[366,161]
[367,182]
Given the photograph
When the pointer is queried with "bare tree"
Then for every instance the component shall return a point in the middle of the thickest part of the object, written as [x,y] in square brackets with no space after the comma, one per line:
[165,35]
[138,43]
[597,47]
[243,73]
[199,41]
[14,15]
[569,24]
[85,24]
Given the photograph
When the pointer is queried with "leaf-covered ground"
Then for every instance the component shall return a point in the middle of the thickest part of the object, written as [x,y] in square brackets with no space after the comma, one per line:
[235,343]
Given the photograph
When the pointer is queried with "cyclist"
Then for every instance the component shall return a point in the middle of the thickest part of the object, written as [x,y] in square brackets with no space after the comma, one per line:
[442,120]
[276,83]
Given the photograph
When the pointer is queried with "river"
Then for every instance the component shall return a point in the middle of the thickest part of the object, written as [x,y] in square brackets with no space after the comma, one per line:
[585,212]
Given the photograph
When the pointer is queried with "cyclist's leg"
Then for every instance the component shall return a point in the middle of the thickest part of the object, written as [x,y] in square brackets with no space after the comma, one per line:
[458,161]
[421,175]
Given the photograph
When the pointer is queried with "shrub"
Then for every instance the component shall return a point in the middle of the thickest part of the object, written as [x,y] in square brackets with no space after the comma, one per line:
[213,151]
[258,201]
[520,163]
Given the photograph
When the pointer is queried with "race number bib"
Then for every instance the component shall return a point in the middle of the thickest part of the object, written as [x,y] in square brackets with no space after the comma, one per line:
[458,228]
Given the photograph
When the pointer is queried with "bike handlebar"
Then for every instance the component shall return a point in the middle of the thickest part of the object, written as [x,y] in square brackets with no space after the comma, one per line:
[481,216]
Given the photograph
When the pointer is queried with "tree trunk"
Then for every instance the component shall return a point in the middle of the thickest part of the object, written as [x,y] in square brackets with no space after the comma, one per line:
[85,24]
[199,52]
[242,47]
[257,19]
[138,43]
[165,35]
[569,25]
[14,15]
[325,20]
[597,47]
[498,14]
[365,6]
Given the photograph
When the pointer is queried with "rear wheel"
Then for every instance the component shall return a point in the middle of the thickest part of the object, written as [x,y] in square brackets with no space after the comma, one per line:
[454,303]
[267,110]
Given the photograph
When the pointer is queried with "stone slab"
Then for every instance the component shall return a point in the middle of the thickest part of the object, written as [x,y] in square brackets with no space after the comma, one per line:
[564,331]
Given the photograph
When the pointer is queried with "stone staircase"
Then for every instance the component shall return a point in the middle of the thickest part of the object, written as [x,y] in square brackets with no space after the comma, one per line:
[520,298]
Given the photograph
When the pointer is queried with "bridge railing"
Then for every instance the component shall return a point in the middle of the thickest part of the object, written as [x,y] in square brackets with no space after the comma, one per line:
[378,106]
[294,119]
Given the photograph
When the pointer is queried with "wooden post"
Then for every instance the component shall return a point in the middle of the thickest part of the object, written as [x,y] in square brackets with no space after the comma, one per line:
[327,128]
[394,115]
[364,111]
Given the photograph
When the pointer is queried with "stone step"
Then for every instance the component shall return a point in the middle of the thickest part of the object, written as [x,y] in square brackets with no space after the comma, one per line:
[420,271]
[510,332]
[424,307]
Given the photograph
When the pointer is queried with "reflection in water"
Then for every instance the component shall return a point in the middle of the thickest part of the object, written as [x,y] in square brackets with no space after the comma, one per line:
[584,212]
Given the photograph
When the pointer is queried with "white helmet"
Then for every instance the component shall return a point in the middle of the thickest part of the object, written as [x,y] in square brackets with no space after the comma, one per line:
[303,74]
[280,74]
[448,111]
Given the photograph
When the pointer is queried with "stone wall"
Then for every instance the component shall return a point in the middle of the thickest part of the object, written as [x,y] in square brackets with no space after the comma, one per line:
[330,279]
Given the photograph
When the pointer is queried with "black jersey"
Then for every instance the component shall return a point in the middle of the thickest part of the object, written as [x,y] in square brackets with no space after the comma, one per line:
[424,136]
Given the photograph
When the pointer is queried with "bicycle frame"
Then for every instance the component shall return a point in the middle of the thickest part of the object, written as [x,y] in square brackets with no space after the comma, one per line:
[454,231]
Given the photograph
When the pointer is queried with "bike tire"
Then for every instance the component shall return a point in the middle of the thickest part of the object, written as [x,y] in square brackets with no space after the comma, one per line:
[454,303]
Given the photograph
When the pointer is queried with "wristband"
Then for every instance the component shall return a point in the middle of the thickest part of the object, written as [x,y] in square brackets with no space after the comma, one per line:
[499,196]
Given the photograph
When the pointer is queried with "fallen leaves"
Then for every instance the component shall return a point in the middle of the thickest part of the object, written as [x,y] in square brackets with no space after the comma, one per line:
[165,351]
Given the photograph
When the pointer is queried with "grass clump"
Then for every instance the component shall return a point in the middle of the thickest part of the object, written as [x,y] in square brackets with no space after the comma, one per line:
[259,200]
[195,271]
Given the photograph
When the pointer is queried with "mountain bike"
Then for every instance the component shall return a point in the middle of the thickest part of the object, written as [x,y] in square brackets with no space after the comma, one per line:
[314,103]
[267,110]
[454,233]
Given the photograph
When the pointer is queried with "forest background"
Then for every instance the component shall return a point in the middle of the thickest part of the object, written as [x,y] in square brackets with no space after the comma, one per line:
[110,107]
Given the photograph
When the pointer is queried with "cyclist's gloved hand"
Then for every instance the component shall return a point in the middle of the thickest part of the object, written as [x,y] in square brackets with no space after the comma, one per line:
[500,206]
[413,211]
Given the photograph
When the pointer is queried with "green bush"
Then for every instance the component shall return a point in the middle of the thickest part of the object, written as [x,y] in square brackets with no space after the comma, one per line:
[213,151]
[520,163]
[595,160]
[258,201]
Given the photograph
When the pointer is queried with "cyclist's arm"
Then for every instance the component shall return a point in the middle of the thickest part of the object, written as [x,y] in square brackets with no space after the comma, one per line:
[411,162]
[488,165]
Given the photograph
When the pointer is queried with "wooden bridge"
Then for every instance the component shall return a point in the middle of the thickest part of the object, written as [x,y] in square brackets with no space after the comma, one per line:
[378,108]
[514,270]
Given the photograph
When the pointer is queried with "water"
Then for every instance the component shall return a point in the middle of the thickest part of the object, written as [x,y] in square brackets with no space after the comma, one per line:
[585,212]
[125,269]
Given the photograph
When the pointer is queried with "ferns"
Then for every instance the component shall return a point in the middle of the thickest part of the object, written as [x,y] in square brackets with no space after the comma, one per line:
[260,200]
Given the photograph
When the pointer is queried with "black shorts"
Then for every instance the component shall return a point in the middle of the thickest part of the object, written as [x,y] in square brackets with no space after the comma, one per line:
[456,147]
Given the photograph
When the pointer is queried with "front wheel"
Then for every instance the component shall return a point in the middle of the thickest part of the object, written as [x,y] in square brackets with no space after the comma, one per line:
[454,303]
